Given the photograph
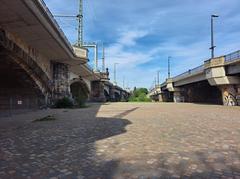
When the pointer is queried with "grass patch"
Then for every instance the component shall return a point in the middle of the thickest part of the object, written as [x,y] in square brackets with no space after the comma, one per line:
[47,118]
[84,106]
[140,101]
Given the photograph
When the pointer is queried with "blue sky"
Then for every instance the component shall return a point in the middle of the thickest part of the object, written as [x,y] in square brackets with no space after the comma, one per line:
[140,34]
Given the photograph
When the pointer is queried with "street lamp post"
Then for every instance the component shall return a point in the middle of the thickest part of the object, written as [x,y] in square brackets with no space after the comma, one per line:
[158,77]
[115,73]
[169,67]
[212,36]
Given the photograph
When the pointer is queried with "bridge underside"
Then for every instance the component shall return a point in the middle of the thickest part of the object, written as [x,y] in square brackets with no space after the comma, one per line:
[107,95]
[117,97]
[18,91]
[201,92]
[166,96]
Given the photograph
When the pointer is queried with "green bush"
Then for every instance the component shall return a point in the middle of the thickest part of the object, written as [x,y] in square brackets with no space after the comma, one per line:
[81,101]
[142,97]
[64,103]
[80,94]
[47,118]
[139,95]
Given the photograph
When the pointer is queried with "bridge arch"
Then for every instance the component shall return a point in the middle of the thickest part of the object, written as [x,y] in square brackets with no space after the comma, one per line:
[107,95]
[23,83]
[117,96]
[80,91]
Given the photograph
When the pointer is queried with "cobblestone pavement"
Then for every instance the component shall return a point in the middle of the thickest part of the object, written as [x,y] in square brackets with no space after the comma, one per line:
[123,140]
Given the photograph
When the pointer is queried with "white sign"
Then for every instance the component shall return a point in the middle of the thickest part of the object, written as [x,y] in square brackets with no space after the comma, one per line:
[19,102]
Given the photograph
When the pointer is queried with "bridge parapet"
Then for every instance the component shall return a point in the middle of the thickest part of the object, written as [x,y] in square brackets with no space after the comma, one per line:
[232,57]
[81,52]
[155,91]
[216,73]
[50,15]
[189,73]
[215,62]
[216,81]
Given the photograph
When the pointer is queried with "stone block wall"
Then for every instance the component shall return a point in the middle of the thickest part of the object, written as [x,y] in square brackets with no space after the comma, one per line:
[97,92]
[61,84]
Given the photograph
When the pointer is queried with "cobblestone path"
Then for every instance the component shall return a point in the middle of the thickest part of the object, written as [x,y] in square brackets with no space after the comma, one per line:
[123,140]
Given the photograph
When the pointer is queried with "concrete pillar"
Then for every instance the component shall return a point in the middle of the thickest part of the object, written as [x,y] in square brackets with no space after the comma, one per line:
[229,85]
[97,92]
[170,85]
[160,97]
[111,93]
[178,97]
[60,80]
[230,95]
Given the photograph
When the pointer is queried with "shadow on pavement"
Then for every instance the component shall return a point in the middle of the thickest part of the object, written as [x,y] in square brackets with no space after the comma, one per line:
[187,165]
[64,148]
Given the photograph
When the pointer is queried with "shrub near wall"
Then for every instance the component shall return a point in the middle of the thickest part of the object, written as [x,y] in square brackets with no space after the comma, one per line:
[64,103]
[79,93]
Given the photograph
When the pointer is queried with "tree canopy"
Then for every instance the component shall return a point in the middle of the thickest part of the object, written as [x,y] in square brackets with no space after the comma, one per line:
[139,95]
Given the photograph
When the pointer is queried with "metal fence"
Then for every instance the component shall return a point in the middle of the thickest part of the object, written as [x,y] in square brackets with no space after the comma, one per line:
[232,56]
[50,15]
[17,104]
[190,72]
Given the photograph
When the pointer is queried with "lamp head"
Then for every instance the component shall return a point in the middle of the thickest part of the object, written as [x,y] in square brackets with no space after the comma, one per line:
[214,15]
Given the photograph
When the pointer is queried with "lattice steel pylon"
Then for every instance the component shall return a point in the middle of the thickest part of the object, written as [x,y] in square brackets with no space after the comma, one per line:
[103,58]
[80,24]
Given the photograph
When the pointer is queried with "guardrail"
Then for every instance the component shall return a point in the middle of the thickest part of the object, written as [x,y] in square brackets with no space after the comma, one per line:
[89,67]
[44,6]
[228,58]
[189,73]
[163,84]
[232,56]
[153,88]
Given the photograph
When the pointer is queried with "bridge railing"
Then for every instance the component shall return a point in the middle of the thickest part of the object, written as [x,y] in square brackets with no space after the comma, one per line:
[232,56]
[163,84]
[190,72]
[44,6]
[151,90]
[89,67]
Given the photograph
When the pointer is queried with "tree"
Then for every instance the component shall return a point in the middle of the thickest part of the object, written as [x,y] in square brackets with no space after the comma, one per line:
[140,95]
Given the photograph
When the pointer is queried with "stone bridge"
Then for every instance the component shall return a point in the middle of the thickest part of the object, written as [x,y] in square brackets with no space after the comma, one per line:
[217,81]
[38,64]
[105,91]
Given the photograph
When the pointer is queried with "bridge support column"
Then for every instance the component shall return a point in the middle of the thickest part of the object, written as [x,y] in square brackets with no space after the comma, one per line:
[230,95]
[178,95]
[169,91]
[60,80]
[158,94]
[229,85]
[160,97]
[112,94]
[97,92]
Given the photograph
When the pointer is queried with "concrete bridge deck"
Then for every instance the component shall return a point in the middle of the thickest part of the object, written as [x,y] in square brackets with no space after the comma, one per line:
[40,64]
[216,81]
